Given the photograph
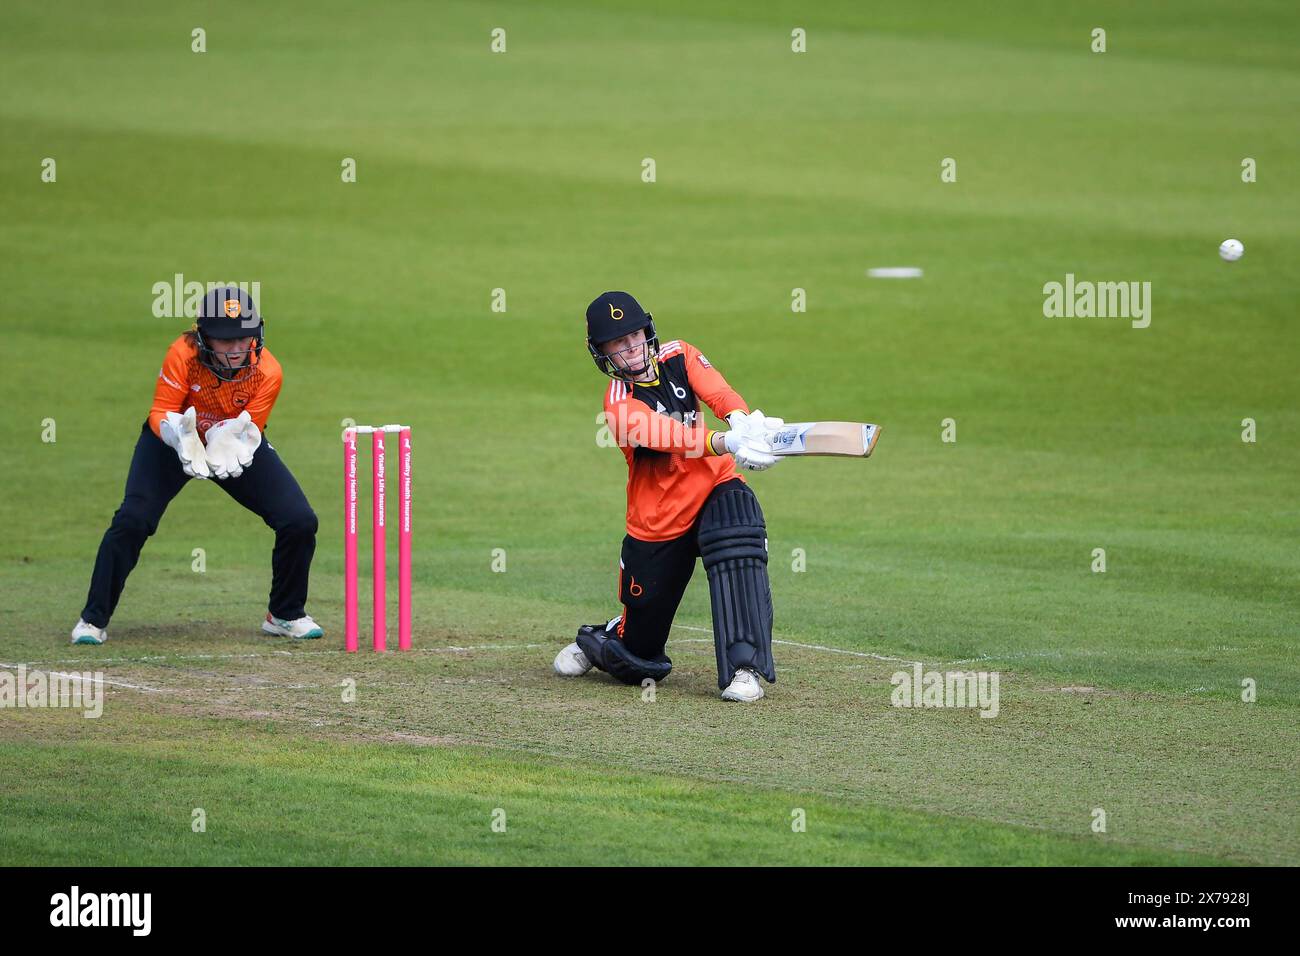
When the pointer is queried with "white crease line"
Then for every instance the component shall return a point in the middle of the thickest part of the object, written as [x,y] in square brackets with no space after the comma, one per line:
[164,658]
[489,647]
[1008,657]
[82,677]
[450,649]
[151,658]
[816,647]
[840,650]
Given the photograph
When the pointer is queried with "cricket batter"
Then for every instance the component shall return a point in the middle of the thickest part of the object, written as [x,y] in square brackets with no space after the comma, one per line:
[685,500]
[215,392]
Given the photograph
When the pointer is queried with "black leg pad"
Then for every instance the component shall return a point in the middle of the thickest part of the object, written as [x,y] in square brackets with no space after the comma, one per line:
[733,544]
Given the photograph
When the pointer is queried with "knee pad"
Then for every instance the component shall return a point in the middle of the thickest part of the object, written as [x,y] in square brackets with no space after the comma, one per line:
[733,545]
[611,655]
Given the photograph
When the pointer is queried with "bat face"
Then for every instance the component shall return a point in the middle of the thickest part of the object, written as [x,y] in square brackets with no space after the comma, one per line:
[839,439]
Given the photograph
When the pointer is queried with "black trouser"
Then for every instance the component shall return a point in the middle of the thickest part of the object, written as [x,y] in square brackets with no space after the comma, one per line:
[652,578]
[266,488]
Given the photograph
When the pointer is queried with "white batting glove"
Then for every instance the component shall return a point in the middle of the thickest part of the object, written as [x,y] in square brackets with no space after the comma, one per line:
[752,454]
[182,434]
[231,444]
[756,425]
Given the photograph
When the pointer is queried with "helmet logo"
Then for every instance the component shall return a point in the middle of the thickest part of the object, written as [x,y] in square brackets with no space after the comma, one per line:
[614,313]
[232,308]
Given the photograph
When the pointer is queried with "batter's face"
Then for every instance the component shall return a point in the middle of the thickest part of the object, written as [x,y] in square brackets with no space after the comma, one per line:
[630,353]
[232,353]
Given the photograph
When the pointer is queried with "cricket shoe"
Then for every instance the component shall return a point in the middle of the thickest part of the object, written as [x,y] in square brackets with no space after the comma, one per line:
[744,686]
[571,662]
[85,633]
[303,628]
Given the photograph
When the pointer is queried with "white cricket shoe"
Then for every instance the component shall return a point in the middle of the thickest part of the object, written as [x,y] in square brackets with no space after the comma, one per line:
[744,686]
[303,628]
[571,662]
[85,633]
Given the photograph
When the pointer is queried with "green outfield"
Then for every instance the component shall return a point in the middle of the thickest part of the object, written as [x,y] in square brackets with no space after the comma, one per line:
[775,171]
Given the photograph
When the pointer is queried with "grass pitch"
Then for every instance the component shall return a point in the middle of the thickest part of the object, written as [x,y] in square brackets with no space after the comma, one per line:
[775,171]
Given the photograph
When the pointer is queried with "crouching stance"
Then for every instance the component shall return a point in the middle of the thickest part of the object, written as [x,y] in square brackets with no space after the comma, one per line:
[212,399]
[685,500]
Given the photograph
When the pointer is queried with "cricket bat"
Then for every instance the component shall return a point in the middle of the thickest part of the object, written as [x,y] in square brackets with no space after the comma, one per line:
[841,439]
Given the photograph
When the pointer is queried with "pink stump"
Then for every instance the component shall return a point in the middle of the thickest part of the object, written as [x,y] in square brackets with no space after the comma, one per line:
[350,540]
[404,546]
[380,569]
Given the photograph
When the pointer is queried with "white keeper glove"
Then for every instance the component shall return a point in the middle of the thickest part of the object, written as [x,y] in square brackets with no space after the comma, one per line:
[231,444]
[180,432]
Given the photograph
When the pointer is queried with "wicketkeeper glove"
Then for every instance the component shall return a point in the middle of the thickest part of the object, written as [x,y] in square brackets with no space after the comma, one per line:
[231,444]
[180,432]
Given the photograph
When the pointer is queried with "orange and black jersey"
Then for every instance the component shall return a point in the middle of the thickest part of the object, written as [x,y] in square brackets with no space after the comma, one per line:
[184,381]
[671,465]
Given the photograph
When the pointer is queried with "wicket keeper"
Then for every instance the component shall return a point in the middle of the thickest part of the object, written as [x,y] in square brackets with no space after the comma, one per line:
[214,394]
[685,500]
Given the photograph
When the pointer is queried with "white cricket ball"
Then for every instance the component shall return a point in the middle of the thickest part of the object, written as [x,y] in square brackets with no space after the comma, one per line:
[1231,250]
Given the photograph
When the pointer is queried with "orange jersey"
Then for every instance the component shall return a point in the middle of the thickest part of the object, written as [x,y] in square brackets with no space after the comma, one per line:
[184,381]
[670,461]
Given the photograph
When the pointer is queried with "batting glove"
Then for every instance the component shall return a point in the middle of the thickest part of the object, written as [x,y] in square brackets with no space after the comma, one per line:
[756,425]
[752,454]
